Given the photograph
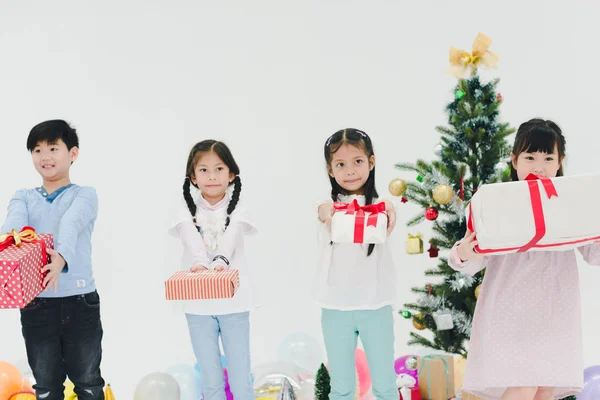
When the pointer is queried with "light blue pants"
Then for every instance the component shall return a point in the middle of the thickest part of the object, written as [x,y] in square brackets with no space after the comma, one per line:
[376,329]
[234,330]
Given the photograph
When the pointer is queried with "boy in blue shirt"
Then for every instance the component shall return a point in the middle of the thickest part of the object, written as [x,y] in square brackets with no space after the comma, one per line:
[61,327]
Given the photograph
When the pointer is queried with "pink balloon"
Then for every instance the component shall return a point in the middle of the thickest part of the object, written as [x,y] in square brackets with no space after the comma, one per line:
[362,368]
[400,368]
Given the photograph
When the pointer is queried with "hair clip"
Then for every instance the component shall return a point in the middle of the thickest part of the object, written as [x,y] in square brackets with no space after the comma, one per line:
[362,133]
[329,141]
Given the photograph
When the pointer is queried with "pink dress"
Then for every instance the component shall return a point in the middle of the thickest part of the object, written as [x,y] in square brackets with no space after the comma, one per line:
[527,324]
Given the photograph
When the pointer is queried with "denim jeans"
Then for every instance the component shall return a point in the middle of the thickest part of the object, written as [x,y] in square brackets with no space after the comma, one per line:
[63,338]
[234,330]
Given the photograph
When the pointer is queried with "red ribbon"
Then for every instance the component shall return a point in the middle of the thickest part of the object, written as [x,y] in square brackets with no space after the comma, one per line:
[536,207]
[359,220]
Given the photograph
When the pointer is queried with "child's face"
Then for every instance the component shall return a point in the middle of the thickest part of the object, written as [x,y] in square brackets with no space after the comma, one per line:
[212,176]
[350,167]
[538,163]
[53,160]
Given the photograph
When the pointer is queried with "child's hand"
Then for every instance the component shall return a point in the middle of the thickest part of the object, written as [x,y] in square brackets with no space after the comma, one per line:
[391,215]
[218,265]
[57,263]
[326,212]
[466,248]
[199,267]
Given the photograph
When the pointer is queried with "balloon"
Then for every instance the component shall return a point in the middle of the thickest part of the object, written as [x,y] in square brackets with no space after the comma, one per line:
[11,380]
[362,368]
[269,378]
[301,349]
[157,386]
[69,391]
[24,395]
[402,367]
[228,394]
[189,381]
[591,385]
[28,379]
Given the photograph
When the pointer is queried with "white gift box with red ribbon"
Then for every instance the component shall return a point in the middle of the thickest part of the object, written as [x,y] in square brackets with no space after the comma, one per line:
[353,223]
[536,214]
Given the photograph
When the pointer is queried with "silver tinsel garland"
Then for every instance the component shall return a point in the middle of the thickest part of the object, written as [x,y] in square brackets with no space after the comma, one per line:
[459,281]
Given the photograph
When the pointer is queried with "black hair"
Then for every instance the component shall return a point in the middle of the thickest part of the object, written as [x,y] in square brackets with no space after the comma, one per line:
[223,152]
[538,135]
[360,139]
[51,132]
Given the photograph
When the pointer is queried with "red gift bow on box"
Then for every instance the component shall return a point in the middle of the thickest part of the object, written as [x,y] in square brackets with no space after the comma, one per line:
[536,207]
[359,220]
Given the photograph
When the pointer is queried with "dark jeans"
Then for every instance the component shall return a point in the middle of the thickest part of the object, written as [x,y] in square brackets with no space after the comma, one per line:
[63,338]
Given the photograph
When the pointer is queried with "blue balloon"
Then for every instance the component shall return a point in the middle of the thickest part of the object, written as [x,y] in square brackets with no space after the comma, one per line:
[302,350]
[591,385]
[189,379]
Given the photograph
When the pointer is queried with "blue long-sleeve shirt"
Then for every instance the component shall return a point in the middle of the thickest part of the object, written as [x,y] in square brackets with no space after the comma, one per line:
[69,214]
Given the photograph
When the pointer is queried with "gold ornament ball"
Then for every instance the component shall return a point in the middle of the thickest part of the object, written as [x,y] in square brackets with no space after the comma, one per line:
[477,291]
[443,194]
[416,324]
[397,187]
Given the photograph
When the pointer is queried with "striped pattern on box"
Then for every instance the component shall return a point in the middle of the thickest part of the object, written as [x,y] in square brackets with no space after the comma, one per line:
[186,285]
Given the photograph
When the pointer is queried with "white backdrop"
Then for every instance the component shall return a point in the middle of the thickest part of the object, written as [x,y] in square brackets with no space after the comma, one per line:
[144,80]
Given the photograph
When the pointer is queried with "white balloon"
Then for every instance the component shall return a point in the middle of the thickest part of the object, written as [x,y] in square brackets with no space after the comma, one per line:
[188,379]
[157,386]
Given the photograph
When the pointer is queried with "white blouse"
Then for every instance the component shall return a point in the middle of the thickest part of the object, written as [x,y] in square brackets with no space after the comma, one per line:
[347,279]
[202,247]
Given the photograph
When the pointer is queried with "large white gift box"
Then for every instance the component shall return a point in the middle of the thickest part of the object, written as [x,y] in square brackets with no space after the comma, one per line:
[536,214]
[353,223]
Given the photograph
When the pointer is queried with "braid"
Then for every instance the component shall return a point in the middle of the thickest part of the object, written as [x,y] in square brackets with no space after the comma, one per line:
[189,200]
[335,189]
[237,188]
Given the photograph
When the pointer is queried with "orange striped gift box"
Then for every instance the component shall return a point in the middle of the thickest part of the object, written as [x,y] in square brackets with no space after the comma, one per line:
[211,284]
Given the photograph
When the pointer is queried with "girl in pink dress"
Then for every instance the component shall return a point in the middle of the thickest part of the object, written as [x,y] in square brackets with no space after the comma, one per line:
[526,335]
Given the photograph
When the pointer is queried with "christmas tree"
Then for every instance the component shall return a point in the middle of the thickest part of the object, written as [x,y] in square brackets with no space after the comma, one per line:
[322,384]
[473,151]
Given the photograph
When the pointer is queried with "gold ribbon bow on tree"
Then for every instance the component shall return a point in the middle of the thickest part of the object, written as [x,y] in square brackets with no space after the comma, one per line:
[461,61]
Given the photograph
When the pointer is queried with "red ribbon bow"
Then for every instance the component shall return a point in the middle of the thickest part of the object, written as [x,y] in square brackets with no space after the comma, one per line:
[359,211]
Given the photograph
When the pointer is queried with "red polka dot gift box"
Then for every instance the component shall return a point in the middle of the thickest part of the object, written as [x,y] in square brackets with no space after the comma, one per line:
[22,257]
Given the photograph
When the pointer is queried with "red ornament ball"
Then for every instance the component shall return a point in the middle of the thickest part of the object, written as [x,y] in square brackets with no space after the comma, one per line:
[431,213]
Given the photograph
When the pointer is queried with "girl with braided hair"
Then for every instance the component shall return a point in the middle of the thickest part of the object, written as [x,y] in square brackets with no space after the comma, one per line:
[211,222]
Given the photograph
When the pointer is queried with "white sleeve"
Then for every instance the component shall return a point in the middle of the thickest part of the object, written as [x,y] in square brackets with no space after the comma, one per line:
[323,233]
[179,213]
[182,226]
[240,224]
[193,243]
[244,219]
